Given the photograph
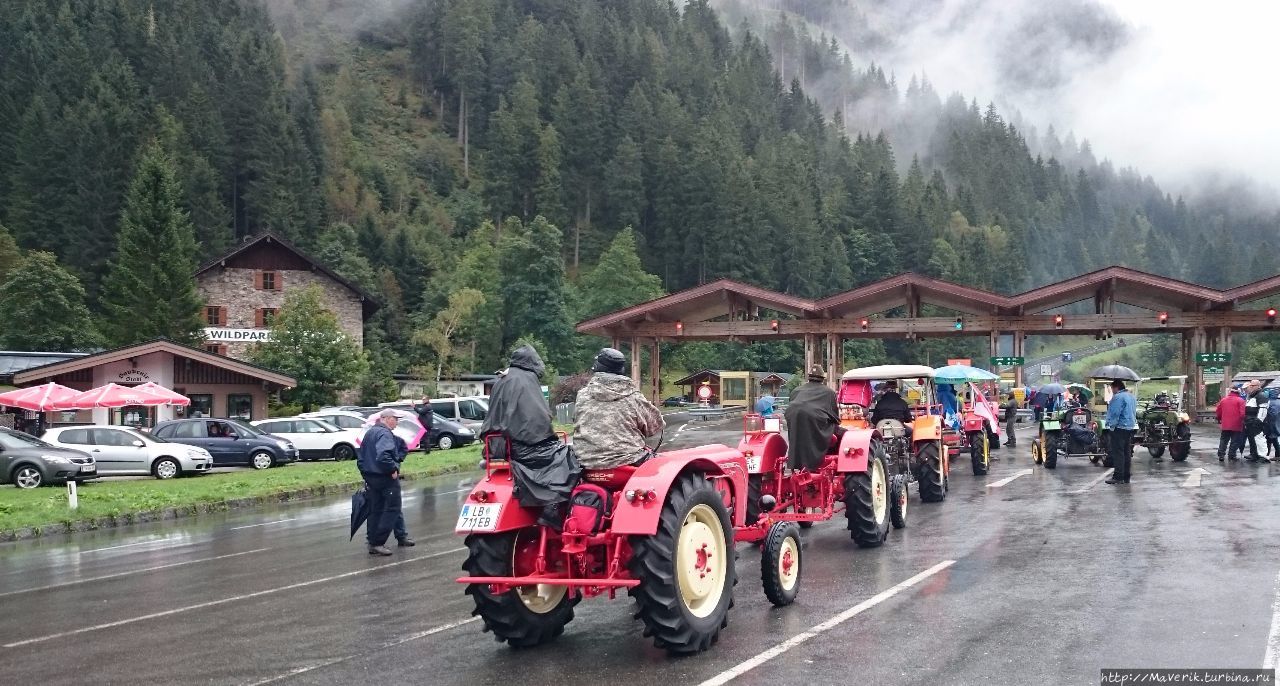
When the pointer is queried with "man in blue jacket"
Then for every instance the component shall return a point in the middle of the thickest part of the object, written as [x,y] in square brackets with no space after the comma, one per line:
[1122,422]
[379,465]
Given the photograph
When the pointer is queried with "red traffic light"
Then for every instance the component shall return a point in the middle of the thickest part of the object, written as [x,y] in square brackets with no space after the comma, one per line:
[863,323]
[679,327]
[1164,318]
[1057,321]
[1271,312]
[773,324]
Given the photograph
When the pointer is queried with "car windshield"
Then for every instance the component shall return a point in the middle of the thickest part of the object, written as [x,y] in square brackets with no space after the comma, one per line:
[328,426]
[16,440]
[244,427]
[148,437]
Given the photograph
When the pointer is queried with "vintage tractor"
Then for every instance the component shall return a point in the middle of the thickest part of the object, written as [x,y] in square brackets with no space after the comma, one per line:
[1071,432]
[1163,424]
[970,422]
[854,477]
[663,530]
[914,452]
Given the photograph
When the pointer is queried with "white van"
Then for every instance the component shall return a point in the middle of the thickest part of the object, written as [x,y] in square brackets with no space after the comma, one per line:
[468,411]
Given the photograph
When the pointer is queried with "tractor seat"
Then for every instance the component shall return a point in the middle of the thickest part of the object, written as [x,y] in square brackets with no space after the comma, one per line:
[610,479]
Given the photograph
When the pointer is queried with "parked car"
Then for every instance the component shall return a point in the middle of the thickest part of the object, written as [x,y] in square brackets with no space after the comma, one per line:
[469,412]
[315,438]
[343,419]
[445,433]
[675,401]
[28,462]
[230,441]
[120,450]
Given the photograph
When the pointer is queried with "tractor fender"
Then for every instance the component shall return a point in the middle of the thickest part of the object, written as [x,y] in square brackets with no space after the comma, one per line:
[762,451]
[640,516]
[973,422]
[855,450]
[499,488]
[928,428]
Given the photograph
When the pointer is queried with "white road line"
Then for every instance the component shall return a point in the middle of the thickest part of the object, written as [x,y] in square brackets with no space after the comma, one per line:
[132,572]
[223,601]
[384,646]
[748,665]
[682,426]
[1007,479]
[250,526]
[127,545]
[1194,476]
[1095,482]
[1271,659]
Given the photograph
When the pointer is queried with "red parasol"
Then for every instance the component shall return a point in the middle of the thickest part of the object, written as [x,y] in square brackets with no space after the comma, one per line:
[37,398]
[110,395]
[174,397]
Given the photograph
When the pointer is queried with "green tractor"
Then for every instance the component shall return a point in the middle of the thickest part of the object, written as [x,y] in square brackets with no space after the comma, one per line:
[1163,424]
[1072,431]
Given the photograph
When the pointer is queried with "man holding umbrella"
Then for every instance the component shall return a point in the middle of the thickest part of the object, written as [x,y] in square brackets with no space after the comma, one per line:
[379,464]
[1122,422]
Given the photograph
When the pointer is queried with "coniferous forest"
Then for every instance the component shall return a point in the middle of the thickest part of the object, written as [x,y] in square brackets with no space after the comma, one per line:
[495,170]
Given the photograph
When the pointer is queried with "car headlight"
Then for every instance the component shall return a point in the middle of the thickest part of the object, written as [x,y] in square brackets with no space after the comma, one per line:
[56,459]
[467,432]
[285,445]
[197,454]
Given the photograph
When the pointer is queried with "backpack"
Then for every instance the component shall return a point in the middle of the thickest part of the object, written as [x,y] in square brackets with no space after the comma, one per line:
[588,506]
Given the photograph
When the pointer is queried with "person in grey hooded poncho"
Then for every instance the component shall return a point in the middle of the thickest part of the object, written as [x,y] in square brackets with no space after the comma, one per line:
[545,469]
[613,416]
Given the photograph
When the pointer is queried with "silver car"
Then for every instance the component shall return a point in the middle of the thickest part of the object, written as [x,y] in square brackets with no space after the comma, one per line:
[123,450]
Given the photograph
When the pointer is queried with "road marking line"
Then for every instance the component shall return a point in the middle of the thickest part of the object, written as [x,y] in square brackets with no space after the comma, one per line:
[250,526]
[1095,482]
[129,545]
[131,573]
[1271,659]
[223,601]
[1193,478]
[682,426]
[1007,479]
[748,665]
[384,646]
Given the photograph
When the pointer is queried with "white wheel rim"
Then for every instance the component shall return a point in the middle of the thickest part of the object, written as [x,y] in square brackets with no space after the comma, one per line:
[446,442]
[902,502]
[700,561]
[879,491]
[166,469]
[28,478]
[261,460]
[788,563]
[541,598]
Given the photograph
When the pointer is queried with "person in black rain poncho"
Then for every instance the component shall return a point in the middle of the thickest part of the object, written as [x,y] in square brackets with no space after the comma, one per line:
[544,468]
[812,419]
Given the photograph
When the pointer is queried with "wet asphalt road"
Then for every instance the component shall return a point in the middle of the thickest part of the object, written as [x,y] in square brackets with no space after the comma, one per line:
[1052,575]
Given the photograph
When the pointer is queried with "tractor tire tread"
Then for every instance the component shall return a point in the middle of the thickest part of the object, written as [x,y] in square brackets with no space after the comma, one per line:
[932,486]
[505,614]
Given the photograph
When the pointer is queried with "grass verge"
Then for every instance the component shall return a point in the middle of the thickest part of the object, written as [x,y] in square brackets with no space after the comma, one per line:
[112,502]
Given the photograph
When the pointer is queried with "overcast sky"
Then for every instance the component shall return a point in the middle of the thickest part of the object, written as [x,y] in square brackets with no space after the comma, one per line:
[1174,87]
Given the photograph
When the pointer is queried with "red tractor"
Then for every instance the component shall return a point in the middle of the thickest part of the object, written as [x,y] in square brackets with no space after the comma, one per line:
[853,478]
[663,530]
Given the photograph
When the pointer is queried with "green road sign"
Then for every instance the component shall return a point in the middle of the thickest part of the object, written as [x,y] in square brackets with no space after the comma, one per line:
[1203,359]
[1007,361]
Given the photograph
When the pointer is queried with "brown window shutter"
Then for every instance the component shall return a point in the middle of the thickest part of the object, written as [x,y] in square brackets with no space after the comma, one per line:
[257,280]
[204,315]
[257,318]
[279,281]
[222,315]
[222,349]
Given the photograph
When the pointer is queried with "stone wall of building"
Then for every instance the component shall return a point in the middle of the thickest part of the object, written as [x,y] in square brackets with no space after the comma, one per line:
[235,289]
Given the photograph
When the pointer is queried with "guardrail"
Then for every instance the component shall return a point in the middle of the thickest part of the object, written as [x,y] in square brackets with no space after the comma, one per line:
[709,413]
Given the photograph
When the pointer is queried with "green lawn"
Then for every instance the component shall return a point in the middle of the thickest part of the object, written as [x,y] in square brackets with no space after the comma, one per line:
[42,508]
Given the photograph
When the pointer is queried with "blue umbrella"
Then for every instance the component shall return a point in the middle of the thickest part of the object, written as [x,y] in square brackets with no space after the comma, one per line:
[961,373]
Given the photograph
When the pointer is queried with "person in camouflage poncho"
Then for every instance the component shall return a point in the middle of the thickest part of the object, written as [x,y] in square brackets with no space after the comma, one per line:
[613,417]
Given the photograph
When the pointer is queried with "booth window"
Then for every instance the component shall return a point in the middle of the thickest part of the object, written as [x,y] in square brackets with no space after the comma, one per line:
[201,405]
[240,406]
[216,348]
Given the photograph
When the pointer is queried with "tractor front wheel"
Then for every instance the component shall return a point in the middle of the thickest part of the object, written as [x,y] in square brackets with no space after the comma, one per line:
[780,563]
[1182,448]
[1156,451]
[979,452]
[522,617]
[1037,451]
[866,503]
[933,484]
[898,496]
[686,569]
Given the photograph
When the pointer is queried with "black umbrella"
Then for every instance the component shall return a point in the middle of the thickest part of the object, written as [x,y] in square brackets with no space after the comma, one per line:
[1052,389]
[1115,371]
[359,511]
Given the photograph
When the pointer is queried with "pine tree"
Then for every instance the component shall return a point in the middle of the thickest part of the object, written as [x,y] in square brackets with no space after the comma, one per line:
[618,279]
[42,307]
[149,291]
[10,255]
[533,293]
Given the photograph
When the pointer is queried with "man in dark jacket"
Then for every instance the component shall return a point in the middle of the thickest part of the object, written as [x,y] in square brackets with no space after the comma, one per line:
[399,530]
[378,464]
[1255,410]
[1010,418]
[891,405]
[427,418]
[519,417]
[812,419]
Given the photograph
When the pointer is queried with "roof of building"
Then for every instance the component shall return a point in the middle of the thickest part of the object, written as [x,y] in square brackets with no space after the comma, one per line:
[51,369]
[14,361]
[369,302]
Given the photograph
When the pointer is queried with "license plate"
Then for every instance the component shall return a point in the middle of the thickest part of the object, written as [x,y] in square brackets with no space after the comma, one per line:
[478,517]
[89,469]
[1078,419]
[753,464]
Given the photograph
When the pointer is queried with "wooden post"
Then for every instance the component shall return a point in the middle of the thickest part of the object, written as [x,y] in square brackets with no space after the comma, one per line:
[1197,376]
[834,371]
[1019,350]
[635,361]
[655,374]
[810,351]
[993,349]
[1228,366]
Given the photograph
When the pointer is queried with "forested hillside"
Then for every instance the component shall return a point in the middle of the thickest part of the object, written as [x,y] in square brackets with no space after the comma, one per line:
[476,162]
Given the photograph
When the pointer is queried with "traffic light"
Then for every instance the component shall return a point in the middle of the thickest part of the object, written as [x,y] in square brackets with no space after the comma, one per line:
[1164,318]
[959,323]
[1057,321]
[863,323]
[679,327]
[1271,316]
[773,324]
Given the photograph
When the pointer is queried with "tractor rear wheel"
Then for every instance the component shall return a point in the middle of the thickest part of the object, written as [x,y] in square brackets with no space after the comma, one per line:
[866,503]
[1180,450]
[1156,451]
[780,566]
[686,569]
[522,617]
[898,496]
[979,452]
[933,484]
[1050,450]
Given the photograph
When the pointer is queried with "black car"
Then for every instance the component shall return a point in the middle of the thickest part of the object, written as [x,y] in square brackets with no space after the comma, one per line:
[28,462]
[230,441]
[675,401]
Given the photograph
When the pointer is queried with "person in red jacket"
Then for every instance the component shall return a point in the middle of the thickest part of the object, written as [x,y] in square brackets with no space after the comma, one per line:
[1230,413]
